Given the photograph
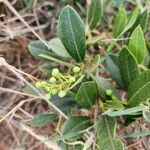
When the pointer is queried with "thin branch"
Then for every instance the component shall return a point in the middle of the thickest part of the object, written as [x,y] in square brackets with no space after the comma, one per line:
[16,107]
[22,20]
[17,92]
[12,69]
[42,139]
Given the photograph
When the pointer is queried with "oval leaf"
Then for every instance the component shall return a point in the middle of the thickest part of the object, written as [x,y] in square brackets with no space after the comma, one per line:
[139,89]
[37,47]
[74,126]
[42,119]
[57,47]
[112,65]
[66,103]
[103,85]
[119,22]
[128,67]
[106,129]
[132,20]
[87,94]
[46,68]
[142,20]
[137,44]
[124,112]
[95,13]
[72,33]
[128,26]
[113,105]
[118,3]
[137,134]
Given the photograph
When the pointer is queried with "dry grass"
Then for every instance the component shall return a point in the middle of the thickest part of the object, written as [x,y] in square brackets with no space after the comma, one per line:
[18,68]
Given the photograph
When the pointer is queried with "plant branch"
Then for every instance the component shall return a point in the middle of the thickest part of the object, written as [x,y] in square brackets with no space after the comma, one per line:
[23,21]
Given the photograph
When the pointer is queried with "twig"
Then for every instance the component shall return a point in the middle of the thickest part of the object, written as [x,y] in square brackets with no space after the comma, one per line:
[36,17]
[17,92]
[16,107]
[12,69]
[15,18]
[26,113]
[13,133]
[22,20]
[43,140]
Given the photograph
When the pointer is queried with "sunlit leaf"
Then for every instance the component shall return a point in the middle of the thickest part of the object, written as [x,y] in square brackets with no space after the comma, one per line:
[87,94]
[74,125]
[139,89]
[43,119]
[72,33]
[128,67]
[106,138]
[137,45]
[95,13]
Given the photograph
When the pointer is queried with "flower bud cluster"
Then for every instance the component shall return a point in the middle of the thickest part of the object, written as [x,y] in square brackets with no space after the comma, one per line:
[59,83]
[109,93]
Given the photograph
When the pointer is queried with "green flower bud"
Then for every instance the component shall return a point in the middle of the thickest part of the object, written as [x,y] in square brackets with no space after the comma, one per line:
[76,69]
[109,92]
[72,79]
[54,91]
[38,84]
[52,80]
[55,72]
[47,96]
[47,88]
[43,83]
[62,94]
[114,97]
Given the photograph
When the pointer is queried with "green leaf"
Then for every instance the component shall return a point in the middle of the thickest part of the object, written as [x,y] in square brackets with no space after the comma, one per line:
[113,105]
[106,129]
[112,65]
[65,104]
[74,125]
[67,1]
[29,90]
[142,20]
[37,47]
[119,22]
[128,26]
[129,111]
[139,89]
[46,68]
[95,13]
[69,136]
[72,33]
[28,3]
[132,19]
[43,119]
[128,67]
[103,85]
[57,47]
[87,94]
[119,3]
[137,44]
[137,134]
[56,60]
